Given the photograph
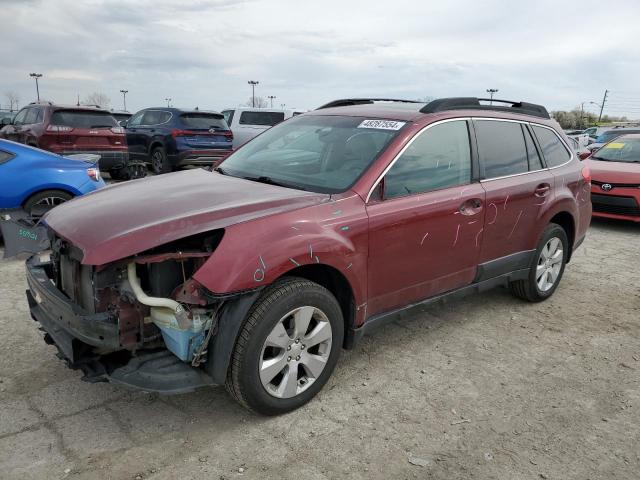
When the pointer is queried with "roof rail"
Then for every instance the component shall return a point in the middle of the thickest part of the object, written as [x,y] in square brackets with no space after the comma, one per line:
[346,102]
[473,103]
[41,102]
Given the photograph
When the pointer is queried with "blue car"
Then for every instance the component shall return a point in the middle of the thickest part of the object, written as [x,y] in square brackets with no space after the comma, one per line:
[36,181]
[172,138]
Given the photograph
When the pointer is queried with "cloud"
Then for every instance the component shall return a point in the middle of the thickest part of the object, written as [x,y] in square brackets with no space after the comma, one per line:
[306,53]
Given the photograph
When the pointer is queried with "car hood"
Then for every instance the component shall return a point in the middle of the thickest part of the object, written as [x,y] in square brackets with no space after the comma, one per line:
[614,172]
[131,217]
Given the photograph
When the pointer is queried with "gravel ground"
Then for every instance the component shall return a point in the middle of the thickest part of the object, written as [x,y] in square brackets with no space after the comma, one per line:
[488,387]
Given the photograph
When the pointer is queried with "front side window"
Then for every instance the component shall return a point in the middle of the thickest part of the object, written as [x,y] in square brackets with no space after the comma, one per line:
[20,117]
[318,153]
[261,118]
[501,148]
[553,150]
[34,115]
[437,158]
[623,149]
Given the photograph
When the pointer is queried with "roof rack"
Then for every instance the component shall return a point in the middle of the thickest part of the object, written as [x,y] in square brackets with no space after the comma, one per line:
[473,103]
[41,102]
[346,102]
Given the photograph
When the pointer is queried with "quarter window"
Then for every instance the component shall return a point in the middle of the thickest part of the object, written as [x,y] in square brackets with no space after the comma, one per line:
[501,148]
[438,158]
[554,151]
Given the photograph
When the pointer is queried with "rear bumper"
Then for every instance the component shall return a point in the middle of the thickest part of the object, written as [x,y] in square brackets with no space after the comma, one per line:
[109,159]
[199,158]
[618,203]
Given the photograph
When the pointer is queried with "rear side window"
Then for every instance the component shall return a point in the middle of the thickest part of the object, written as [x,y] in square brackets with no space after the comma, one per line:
[83,119]
[228,116]
[34,115]
[261,118]
[438,158]
[5,156]
[501,148]
[203,121]
[553,150]
[535,163]
[155,117]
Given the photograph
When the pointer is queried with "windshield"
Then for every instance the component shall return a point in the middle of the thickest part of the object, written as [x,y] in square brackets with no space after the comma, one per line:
[622,150]
[324,154]
[83,119]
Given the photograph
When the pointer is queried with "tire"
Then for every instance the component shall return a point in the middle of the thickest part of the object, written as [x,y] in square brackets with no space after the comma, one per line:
[130,172]
[284,304]
[40,203]
[159,161]
[536,287]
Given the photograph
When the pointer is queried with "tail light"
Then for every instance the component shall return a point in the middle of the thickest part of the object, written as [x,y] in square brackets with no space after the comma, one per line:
[118,130]
[586,174]
[184,133]
[94,173]
[180,133]
[58,128]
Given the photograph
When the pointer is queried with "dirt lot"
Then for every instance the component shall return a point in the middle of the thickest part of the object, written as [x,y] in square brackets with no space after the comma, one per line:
[489,387]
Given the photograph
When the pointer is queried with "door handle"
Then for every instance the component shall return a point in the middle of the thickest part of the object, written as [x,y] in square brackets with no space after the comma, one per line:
[471,206]
[542,190]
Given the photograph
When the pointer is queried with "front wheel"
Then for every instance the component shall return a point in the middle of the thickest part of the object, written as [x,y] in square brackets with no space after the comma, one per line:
[547,268]
[287,348]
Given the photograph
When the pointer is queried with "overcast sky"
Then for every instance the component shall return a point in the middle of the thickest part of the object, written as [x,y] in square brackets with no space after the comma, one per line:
[558,53]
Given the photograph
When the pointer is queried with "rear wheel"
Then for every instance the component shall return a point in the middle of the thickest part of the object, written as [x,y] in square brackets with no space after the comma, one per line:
[131,171]
[547,268]
[159,161]
[40,203]
[287,348]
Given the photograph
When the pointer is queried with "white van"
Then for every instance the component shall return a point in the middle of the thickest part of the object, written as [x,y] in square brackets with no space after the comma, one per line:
[247,122]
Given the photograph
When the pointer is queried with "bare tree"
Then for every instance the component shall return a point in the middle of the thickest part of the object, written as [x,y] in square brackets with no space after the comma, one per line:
[13,99]
[259,102]
[97,98]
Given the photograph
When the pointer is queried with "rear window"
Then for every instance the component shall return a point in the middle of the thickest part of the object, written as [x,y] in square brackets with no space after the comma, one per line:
[553,150]
[83,119]
[204,120]
[261,118]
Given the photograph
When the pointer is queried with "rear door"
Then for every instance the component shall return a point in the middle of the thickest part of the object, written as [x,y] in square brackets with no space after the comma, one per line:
[424,233]
[518,187]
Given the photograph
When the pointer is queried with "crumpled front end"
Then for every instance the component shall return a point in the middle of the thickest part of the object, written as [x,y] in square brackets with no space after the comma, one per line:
[141,321]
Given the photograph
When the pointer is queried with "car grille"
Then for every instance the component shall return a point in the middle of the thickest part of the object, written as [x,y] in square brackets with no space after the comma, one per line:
[615,205]
[617,185]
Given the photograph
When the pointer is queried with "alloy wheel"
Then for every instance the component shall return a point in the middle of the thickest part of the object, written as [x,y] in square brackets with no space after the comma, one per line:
[549,264]
[296,352]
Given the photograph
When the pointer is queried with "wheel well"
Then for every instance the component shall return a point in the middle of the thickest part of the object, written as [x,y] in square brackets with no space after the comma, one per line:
[565,220]
[336,283]
[47,190]
[154,145]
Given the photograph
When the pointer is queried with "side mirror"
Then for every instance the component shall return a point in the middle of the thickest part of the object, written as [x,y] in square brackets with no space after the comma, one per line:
[584,155]
[123,123]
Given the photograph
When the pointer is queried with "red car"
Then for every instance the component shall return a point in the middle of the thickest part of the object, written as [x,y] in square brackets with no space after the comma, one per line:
[615,188]
[314,233]
[68,130]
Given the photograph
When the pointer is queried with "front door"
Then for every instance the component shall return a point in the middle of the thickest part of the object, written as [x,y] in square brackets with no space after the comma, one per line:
[425,230]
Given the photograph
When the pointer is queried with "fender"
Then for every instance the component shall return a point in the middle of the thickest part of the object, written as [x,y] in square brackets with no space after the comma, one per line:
[254,254]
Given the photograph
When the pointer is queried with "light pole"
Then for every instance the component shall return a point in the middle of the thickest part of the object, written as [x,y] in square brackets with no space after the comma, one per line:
[124,98]
[168,99]
[283,105]
[491,91]
[271,97]
[36,76]
[253,84]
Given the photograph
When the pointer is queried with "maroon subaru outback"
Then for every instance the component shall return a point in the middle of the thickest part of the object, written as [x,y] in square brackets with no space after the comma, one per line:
[316,232]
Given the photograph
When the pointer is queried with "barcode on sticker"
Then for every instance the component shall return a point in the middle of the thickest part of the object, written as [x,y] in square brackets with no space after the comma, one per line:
[382,124]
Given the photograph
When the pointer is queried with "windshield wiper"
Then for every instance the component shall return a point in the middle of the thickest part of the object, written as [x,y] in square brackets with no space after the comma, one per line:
[219,170]
[271,181]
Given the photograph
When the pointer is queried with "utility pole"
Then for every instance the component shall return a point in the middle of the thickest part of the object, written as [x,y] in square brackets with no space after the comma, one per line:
[582,115]
[491,91]
[168,101]
[36,76]
[78,102]
[124,98]
[604,100]
[271,97]
[253,84]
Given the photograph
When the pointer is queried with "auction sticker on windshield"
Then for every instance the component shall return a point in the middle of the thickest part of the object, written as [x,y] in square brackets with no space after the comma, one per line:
[382,124]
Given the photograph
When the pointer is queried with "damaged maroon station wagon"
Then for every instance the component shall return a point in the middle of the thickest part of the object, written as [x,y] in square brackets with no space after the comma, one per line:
[321,229]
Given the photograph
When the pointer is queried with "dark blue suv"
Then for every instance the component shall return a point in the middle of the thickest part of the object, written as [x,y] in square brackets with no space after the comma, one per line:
[171,138]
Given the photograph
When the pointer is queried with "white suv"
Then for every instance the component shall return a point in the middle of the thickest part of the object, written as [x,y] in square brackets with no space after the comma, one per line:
[247,122]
